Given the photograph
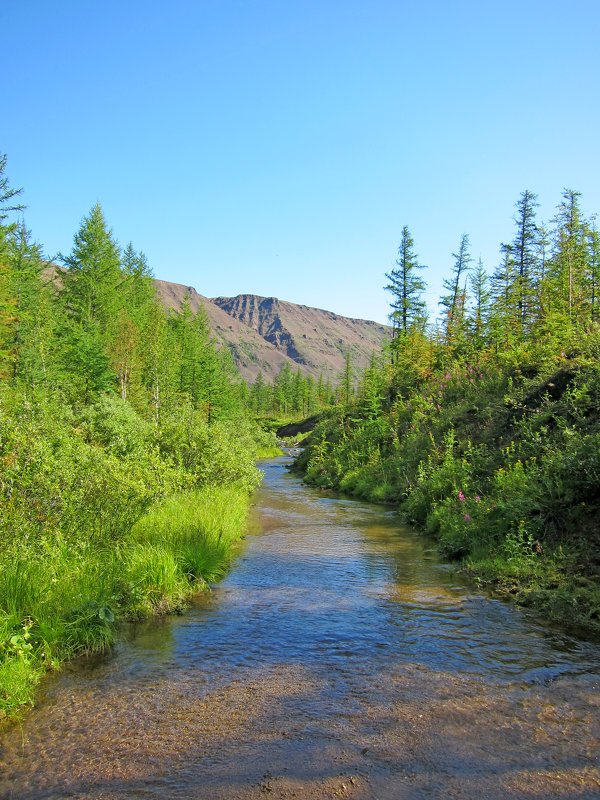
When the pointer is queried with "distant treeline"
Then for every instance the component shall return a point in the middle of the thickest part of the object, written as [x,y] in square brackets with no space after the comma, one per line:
[293,394]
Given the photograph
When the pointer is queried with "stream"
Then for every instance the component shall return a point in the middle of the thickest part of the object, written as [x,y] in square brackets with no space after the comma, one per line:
[339,658]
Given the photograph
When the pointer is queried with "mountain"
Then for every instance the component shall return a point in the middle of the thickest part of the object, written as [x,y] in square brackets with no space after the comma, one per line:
[264,333]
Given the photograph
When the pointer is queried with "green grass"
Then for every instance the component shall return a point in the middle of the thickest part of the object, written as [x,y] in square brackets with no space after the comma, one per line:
[62,598]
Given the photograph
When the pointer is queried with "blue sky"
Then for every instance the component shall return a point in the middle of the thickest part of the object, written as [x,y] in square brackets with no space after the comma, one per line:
[278,147]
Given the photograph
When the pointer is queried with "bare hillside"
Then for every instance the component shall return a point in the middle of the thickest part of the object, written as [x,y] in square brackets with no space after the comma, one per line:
[263,333]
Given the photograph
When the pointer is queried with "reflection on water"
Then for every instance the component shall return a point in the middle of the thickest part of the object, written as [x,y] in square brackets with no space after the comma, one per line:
[335,625]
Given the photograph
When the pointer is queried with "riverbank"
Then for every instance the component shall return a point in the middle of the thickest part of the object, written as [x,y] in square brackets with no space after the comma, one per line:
[499,460]
[105,519]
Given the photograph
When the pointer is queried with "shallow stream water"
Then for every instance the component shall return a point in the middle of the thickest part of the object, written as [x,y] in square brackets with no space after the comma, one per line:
[339,658]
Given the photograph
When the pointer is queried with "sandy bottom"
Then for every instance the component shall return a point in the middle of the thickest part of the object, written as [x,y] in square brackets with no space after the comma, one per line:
[294,732]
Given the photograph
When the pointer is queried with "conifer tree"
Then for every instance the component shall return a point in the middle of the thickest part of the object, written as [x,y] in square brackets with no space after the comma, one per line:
[347,378]
[322,398]
[258,395]
[91,300]
[593,272]
[309,395]
[297,391]
[455,301]
[159,364]
[407,288]
[94,277]
[524,252]
[7,194]
[137,295]
[32,318]
[372,390]
[568,264]
[541,284]
[7,318]
[283,389]
[503,322]
[479,318]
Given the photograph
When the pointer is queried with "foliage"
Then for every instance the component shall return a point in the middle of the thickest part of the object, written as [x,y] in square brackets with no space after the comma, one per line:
[126,453]
[487,432]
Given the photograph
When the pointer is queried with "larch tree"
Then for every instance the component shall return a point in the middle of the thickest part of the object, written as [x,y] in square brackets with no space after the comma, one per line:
[567,269]
[503,320]
[524,252]
[91,297]
[479,316]
[32,317]
[593,272]
[454,302]
[347,380]
[408,308]
[7,300]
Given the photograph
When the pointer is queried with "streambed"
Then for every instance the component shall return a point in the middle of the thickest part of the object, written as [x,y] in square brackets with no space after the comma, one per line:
[339,658]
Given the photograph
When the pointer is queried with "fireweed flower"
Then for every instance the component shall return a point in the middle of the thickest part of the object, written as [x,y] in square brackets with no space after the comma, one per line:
[467,517]
[461,497]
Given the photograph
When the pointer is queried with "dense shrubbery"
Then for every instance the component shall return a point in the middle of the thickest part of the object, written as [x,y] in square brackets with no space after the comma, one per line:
[503,469]
[104,517]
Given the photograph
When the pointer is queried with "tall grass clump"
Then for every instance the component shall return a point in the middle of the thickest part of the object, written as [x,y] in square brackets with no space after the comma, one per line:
[200,527]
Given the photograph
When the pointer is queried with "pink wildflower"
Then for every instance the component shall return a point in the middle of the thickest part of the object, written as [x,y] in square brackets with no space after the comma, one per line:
[477,498]
[461,497]
[467,517]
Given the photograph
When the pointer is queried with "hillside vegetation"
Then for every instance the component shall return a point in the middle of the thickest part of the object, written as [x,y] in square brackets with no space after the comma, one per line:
[486,430]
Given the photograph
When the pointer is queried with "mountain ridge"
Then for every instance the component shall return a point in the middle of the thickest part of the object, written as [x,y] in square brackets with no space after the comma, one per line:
[265,333]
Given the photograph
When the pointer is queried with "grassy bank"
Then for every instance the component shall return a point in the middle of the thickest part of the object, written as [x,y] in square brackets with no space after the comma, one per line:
[499,460]
[106,518]
[61,600]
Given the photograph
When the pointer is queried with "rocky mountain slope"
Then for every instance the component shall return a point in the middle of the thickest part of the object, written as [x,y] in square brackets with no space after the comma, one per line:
[264,333]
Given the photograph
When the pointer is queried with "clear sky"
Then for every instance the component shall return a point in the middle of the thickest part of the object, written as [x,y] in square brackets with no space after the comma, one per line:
[278,147]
